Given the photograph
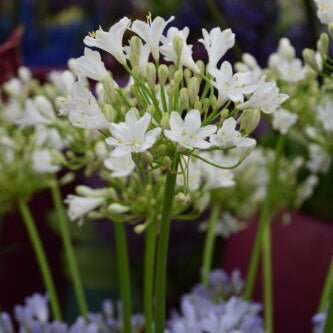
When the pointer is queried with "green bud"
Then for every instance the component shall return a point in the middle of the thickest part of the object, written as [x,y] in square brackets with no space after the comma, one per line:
[84,191]
[151,74]
[201,66]
[178,44]
[95,215]
[151,109]
[109,112]
[165,121]
[249,120]
[136,71]
[147,157]
[193,89]
[162,148]
[184,97]
[206,103]
[167,162]
[197,105]
[116,208]
[67,178]
[330,29]
[135,49]
[224,114]
[172,69]
[163,72]
[136,111]
[110,88]
[140,228]
[323,44]
[170,90]
[178,77]
[310,58]
[182,198]
[213,101]
[187,75]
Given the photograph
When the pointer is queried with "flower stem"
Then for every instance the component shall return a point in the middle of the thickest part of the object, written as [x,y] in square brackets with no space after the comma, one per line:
[69,251]
[162,250]
[263,221]
[123,274]
[328,288]
[268,279]
[328,327]
[41,257]
[209,243]
[149,276]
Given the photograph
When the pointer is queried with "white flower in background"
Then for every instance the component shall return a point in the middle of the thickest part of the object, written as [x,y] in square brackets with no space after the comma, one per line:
[231,86]
[24,73]
[63,80]
[176,36]
[132,135]
[42,162]
[292,71]
[143,58]
[90,65]
[325,10]
[283,120]
[12,111]
[319,160]
[228,136]
[111,41]
[249,64]
[306,188]
[79,206]
[38,305]
[13,87]
[325,114]
[192,176]
[188,132]
[7,146]
[49,137]
[217,43]
[151,32]
[265,98]
[285,52]
[121,166]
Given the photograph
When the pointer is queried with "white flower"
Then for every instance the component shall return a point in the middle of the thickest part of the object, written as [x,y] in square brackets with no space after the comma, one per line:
[111,41]
[230,86]
[78,206]
[90,65]
[192,176]
[265,98]
[38,307]
[151,32]
[143,59]
[63,80]
[24,73]
[292,71]
[217,43]
[285,52]
[169,52]
[319,160]
[13,87]
[325,114]
[228,136]
[42,162]
[50,137]
[132,135]
[306,188]
[121,166]
[325,10]
[188,132]
[283,120]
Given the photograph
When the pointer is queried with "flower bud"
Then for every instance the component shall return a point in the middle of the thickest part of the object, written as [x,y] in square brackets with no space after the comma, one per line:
[84,191]
[109,112]
[140,228]
[24,74]
[249,120]
[224,114]
[187,75]
[95,215]
[178,76]
[163,72]
[110,88]
[206,103]
[193,89]
[330,29]
[151,74]
[136,111]
[116,208]
[312,60]
[197,105]
[165,121]
[136,71]
[201,66]
[184,97]
[101,149]
[67,178]
[167,162]
[151,109]
[172,69]
[178,44]
[323,44]
[135,50]
[182,198]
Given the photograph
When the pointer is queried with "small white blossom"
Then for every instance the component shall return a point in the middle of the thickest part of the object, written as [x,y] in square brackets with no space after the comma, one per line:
[63,80]
[111,41]
[121,166]
[306,188]
[90,65]
[42,162]
[50,137]
[217,43]
[283,120]
[188,132]
[319,160]
[325,114]
[13,87]
[292,71]
[151,32]
[192,176]
[249,64]
[38,306]
[285,52]
[24,73]
[325,10]
[132,135]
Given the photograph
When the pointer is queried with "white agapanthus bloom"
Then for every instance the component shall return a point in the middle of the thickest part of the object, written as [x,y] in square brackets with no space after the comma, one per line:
[325,114]
[132,136]
[42,162]
[265,98]
[169,52]
[143,58]
[63,81]
[90,65]
[38,304]
[228,136]
[79,206]
[188,133]
[283,120]
[13,87]
[12,110]
[217,43]
[325,10]
[151,32]
[231,86]
[192,176]
[319,160]
[121,166]
[306,188]
[111,41]
[249,64]
[50,137]
[285,52]
[292,71]
[24,73]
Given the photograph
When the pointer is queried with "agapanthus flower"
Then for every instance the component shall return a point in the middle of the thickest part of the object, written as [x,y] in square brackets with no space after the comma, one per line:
[319,160]
[42,162]
[325,114]
[325,10]
[63,80]
[121,166]
[283,120]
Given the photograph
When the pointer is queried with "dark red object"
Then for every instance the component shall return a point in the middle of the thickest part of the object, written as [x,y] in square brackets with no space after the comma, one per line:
[301,256]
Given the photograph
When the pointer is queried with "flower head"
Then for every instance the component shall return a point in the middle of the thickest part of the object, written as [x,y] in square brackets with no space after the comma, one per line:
[325,10]
[283,120]
[42,162]
[121,166]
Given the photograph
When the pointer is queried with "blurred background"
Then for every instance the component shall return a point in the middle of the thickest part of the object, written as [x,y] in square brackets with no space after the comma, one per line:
[43,35]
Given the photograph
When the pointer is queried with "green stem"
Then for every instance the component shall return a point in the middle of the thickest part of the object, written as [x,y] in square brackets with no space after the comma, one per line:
[328,288]
[41,257]
[123,274]
[162,250]
[209,243]
[263,221]
[268,280]
[149,276]
[328,327]
[69,251]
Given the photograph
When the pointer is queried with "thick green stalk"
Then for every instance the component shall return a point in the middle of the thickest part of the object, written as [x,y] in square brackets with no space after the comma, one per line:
[162,250]
[209,243]
[41,257]
[123,274]
[268,280]
[328,288]
[263,221]
[328,326]
[149,276]
[69,251]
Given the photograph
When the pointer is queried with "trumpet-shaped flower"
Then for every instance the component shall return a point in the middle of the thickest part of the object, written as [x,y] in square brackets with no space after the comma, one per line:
[325,114]
[283,120]
[132,136]
[176,36]
[42,162]
[292,71]
[228,136]
[63,80]
[231,86]
[325,10]
[266,97]
[111,41]
[217,43]
[188,132]
[121,166]
[151,32]
[192,176]
[90,65]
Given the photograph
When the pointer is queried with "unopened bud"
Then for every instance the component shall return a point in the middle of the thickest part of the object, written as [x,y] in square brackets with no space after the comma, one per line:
[110,88]
[201,66]
[109,112]
[165,121]
[163,72]
[178,44]
[197,105]
[330,29]
[193,89]
[116,208]
[151,109]
[172,70]
[312,59]
[84,191]
[323,44]
[151,74]
[184,97]
[224,114]
[67,178]
[187,75]
[135,49]
[178,77]
[95,215]
[249,120]
[24,74]
[182,198]
[167,162]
